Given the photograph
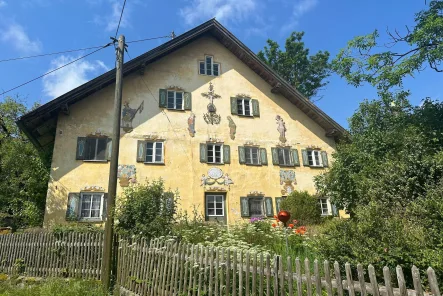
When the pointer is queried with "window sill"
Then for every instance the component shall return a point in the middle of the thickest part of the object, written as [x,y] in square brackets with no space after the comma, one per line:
[208,75]
[316,166]
[215,163]
[92,160]
[253,164]
[287,165]
[246,116]
[178,110]
[154,163]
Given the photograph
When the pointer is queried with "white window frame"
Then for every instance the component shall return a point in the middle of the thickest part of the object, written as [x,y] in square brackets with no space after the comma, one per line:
[175,99]
[102,199]
[249,102]
[262,206]
[258,155]
[311,157]
[214,196]
[289,156]
[322,202]
[154,149]
[206,68]
[213,153]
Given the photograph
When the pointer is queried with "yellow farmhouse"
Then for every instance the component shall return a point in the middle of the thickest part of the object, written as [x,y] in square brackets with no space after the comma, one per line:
[203,113]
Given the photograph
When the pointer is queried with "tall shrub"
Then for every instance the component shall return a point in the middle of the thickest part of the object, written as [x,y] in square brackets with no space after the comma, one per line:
[303,207]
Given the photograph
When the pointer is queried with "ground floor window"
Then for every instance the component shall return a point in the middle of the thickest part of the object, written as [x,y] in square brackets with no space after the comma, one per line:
[215,207]
[256,207]
[91,206]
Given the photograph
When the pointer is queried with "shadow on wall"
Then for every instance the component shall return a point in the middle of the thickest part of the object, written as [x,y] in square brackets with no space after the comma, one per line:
[54,204]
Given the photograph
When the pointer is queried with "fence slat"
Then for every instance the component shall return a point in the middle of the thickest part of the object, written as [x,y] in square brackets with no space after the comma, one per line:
[388,282]
[240,274]
[222,265]
[281,273]
[373,280]
[401,281]
[361,279]
[234,273]
[350,281]
[228,273]
[317,278]
[247,273]
[308,277]
[290,277]
[299,277]
[433,282]
[262,271]
[416,280]
[275,274]
[211,270]
[327,277]
[254,274]
[338,279]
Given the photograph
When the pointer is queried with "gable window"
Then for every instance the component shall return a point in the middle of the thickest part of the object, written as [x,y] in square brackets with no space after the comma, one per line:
[154,152]
[215,153]
[325,206]
[252,155]
[285,156]
[91,206]
[208,67]
[93,148]
[175,100]
[244,107]
[315,158]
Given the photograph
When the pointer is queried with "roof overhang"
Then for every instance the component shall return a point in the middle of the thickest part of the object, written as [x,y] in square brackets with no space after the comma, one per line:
[40,124]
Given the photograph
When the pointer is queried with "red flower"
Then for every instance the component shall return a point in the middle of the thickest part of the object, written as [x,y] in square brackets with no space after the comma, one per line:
[274,225]
[301,230]
[291,226]
[294,221]
[275,217]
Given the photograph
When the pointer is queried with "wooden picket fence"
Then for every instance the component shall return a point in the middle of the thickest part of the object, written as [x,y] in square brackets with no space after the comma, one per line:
[44,254]
[170,268]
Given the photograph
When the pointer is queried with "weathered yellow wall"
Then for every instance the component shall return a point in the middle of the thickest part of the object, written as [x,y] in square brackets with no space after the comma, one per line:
[182,169]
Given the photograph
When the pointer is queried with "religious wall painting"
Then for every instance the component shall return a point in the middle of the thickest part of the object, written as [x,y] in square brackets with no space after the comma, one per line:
[232,128]
[191,125]
[211,117]
[128,115]
[126,174]
[281,128]
[287,180]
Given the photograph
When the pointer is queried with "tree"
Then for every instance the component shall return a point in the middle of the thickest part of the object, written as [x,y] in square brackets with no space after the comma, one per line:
[306,73]
[24,172]
[366,60]
[303,207]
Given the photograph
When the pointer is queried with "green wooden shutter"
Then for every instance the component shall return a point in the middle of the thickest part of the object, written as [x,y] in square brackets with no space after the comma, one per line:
[141,151]
[241,155]
[274,152]
[105,206]
[226,154]
[255,108]
[263,156]
[73,206]
[324,158]
[304,156]
[268,206]
[169,202]
[162,103]
[234,107]
[81,148]
[188,101]
[203,152]
[277,204]
[334,210]
[295,157]
[244,205]
[108,152]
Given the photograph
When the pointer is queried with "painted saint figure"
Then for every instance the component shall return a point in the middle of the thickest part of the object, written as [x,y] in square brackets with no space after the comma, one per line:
[191,125]
[281,127]
[232,128]
[128,115]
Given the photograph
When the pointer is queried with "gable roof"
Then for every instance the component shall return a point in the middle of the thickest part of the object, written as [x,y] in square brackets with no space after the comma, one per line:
[40,124]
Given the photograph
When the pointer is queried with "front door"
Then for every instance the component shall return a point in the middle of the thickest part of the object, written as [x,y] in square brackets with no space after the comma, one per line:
[215,207]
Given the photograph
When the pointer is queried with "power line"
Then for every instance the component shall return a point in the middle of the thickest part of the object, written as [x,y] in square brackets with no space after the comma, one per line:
[74,50]
[82,57]
[121,15]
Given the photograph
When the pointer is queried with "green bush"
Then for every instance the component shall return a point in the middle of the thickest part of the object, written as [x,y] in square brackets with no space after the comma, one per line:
[303,207]
[146,210]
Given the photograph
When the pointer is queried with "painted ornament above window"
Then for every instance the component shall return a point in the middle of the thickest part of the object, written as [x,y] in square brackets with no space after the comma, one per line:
[232,128]
[281,128]
[211,117]
[216,176]
[128,115]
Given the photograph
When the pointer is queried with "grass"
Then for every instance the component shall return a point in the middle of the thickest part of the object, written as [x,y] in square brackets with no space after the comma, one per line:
[59,287]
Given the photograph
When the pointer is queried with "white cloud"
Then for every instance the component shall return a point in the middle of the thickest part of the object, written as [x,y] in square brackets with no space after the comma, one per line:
[3,3]
[68,78]
[15,34]
[222,10]
[300,8]
[110,21]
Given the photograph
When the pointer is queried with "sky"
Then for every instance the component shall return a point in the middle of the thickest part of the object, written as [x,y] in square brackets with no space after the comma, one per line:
[32,27]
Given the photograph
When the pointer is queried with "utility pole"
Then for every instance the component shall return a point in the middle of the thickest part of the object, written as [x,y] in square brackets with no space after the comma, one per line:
[108,254]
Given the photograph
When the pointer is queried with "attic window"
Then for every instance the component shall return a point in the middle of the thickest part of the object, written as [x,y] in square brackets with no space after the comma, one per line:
[208,67]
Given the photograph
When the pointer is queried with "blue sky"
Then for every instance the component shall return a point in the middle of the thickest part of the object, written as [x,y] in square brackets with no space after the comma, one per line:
[29,27]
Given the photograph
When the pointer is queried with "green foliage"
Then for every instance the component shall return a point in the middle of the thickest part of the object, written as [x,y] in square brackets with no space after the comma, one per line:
[52,287]
[303,207]
[60,229]
[146,210]
[363,60]
[24,173]
[306,73]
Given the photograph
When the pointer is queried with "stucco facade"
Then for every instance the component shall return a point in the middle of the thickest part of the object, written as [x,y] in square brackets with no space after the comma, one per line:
[182,169]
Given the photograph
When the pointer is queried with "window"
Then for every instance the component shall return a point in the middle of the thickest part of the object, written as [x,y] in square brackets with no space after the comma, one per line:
[215,206]
[314,158]
[215,153]
[324,206]
[256,207]
[92,148]
[244,107]
[175,100]
[284,156]
[252,155]
[208,67]
[154,152]
[91,206]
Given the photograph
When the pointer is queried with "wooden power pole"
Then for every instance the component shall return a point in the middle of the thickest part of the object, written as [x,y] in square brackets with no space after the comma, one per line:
[108,254]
